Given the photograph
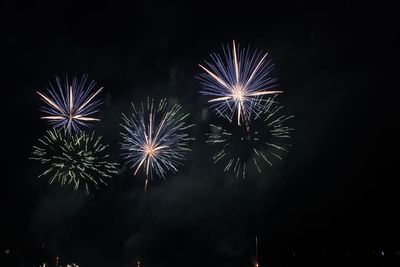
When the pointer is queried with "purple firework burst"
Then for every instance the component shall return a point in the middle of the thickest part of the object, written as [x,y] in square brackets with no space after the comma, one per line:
[70,105]
[237,82]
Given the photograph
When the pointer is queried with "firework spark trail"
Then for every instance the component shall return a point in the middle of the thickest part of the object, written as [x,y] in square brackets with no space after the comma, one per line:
[238,82]
[267,139]
[77,159]
[70,105]
[155,138]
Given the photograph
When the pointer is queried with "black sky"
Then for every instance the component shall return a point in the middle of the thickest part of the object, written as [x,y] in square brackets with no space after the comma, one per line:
[336,191]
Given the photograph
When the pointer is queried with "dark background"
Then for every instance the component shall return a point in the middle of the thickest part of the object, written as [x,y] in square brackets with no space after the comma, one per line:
[335,196]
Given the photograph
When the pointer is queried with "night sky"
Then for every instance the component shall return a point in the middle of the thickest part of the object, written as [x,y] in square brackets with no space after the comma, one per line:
[334,194]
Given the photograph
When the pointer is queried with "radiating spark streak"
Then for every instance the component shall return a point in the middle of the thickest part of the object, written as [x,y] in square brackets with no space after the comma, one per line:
[80,118]
[238,83]
[74,159]
[265,159]
[90,99]
[71,101]
[140,164]
[255,162]
[48,100]
[276,155]
[265,93]
[155,138]
[236,63]
[69,105]
[52,117]
[215,77]
[220,99]
[256,69]
[239,111]
[276,146]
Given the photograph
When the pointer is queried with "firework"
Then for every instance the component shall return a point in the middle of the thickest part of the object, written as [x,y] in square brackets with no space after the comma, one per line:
[155,138]
[80,159]
[241,148]
[237,82]
[70,105]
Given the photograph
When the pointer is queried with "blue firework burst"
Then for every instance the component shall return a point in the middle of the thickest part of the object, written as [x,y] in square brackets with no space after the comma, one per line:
[155,138]
[70,104]
[237,82]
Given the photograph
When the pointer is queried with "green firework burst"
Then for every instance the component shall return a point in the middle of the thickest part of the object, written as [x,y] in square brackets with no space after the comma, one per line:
[259,143]
[78,160]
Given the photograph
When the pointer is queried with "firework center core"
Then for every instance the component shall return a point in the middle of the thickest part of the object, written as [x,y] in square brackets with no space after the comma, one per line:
[238,92]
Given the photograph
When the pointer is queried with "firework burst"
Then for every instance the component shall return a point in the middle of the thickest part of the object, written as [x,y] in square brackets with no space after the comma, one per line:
[242,148]
[80,159]
[155,138]
[237,82]
[70,105]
